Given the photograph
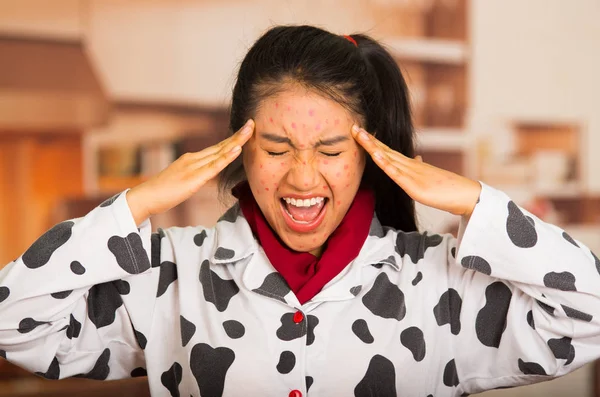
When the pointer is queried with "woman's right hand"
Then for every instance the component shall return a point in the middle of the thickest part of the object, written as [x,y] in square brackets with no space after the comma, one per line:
[185,176]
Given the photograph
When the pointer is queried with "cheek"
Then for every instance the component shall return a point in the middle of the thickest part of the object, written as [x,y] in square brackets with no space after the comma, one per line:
[342,172]
[267,173]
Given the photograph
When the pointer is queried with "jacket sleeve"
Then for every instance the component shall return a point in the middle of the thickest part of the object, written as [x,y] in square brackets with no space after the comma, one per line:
[79,301]
[528,297]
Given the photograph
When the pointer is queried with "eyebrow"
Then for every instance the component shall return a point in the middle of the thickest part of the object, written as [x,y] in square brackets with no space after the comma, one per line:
[323,142]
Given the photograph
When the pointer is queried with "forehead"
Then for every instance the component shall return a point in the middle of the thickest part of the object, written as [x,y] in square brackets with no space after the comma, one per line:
[299,112]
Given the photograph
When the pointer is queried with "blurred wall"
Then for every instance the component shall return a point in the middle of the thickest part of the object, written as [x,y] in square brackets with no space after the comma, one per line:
[538,60]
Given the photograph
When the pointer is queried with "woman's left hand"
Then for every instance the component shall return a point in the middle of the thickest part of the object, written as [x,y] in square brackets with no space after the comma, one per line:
[429,185]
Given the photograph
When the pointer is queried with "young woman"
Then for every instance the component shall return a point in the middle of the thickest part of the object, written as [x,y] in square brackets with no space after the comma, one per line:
[317,282]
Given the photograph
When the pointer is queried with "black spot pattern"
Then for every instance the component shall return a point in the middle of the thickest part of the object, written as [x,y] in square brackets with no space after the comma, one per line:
[188,329]
[4,293]
[53,371]
[28,324]
[129,253]
[109,201]
[231,214]
[61,295]
[570,239]
[356,290]
[122,286]
[2,354]
[530,319]
[576,314]
[361,330]
[42,249]
[531,368]
[563,349]
[168,274]
[520,228]
[77,268]
[491,319]
[312,323]
[74,328]
[453,252]
[414,244]
[289,330]
[390,260]
[274,286]
[309,382]
[103,301]
[199,238]
[224,253]
[417,278]
[101,369]
[447,311]
[138,372]
[141,339]
[476,263]
[171,379]
[385,299]
[234,329]
[412,338]
[450,377]
[287,361]
[216,290]
[564,281]
[379,380]
[547,308]
[596,261]
[155,248]
[209,367]
[376,229]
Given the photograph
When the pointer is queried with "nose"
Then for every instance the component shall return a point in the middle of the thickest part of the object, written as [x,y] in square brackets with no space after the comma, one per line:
[304,173]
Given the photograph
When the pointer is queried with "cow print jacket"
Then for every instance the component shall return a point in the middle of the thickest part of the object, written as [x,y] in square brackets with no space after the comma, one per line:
[202,312]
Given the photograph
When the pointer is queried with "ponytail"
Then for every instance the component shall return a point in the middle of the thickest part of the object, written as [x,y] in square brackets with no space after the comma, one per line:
[392,125]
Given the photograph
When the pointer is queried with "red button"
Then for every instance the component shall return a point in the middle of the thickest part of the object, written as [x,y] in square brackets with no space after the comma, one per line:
[295,393]
[298,317]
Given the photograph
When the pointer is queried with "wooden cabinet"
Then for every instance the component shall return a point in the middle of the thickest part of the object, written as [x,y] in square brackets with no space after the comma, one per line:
[36,171]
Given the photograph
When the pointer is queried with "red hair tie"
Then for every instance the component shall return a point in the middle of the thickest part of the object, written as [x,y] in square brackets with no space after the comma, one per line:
[350,39]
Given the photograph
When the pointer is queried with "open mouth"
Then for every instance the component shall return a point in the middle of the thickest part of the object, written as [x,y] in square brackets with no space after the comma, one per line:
[304,215]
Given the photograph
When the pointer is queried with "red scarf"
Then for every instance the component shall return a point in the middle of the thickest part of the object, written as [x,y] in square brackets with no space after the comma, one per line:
[305,273]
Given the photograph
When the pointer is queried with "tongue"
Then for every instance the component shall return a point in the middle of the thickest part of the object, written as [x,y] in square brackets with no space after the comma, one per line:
[304,214]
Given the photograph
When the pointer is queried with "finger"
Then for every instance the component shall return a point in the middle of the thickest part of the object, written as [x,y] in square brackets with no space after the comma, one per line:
[372,145]
[213,165]
[419,158]
[239,138]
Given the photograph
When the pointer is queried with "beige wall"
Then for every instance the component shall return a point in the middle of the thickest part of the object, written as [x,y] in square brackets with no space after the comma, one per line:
[538,59]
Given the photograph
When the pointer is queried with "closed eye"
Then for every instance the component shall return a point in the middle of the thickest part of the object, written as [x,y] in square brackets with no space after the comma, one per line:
[331,154]
[276,153]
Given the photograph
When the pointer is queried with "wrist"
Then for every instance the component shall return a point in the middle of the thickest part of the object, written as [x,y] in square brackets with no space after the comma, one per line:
[138,211]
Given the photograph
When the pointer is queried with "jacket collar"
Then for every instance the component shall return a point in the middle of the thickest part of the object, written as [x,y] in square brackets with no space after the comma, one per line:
[234,241]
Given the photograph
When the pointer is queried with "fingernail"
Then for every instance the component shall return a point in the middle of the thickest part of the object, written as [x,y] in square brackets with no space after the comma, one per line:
[236,148]
[247,129]
[355,128]
[363,135]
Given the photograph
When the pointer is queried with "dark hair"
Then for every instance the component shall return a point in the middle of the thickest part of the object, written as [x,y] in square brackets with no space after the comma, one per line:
[365,79]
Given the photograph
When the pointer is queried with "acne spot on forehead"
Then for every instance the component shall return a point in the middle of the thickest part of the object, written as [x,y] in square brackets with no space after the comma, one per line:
[338,174]
[294,125]
[276,104]
[318,127]
[311,112]
[336,122]
[289,108]
[271,120]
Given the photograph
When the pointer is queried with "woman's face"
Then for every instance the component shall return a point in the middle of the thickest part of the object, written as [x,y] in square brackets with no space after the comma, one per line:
[303,166]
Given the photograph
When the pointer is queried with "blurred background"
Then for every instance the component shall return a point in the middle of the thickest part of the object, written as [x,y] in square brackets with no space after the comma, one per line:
[98,95]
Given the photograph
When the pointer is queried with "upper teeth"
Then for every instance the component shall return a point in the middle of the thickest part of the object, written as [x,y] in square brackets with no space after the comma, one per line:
[305,202]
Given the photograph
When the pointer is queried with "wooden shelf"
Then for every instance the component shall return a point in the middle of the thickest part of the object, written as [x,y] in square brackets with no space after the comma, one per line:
[452,139]
[440,51]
